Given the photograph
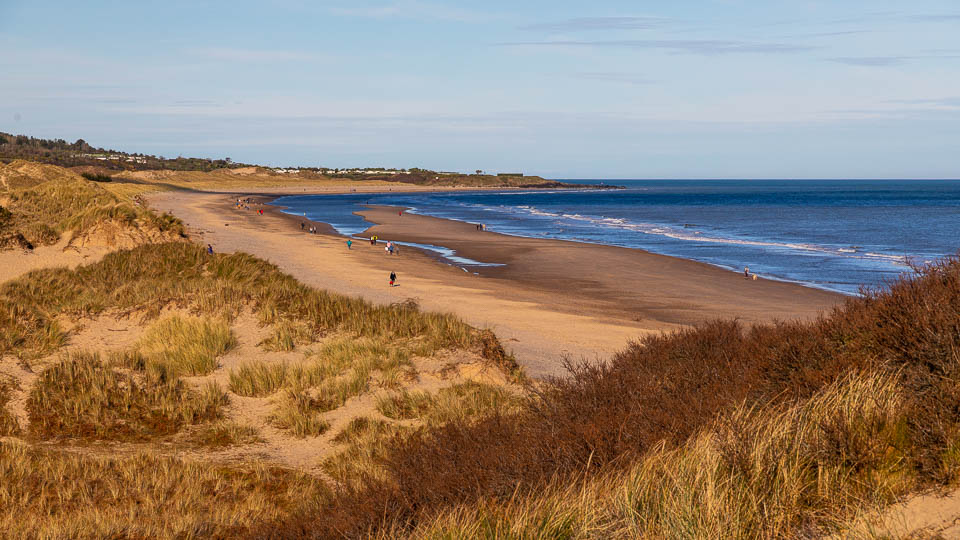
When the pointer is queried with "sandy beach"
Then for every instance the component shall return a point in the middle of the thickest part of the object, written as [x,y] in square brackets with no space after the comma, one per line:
[552,299]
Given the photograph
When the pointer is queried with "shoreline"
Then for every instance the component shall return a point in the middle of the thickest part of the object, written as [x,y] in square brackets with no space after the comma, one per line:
[584,242]
[725,267]
[458,249]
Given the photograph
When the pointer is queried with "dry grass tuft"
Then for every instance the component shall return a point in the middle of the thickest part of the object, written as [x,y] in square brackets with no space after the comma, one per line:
[461,402]
[59,200]
[8,422]
[81,397]
[179,346]
[224,434]
[366,441]
[300,413]
[287,336]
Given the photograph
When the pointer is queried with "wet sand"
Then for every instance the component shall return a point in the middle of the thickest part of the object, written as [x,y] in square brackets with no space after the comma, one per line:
[612,281]
[552,300]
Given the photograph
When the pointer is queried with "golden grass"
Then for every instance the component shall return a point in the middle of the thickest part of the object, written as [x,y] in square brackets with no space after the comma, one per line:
[182,275]
[259,379]
[286,336]
[82,397]
[762,472]
[8,422]
[339,369]
[185,345]
[299,412]
[62,201]
[224,434]
[60,495]
[364,440]
[469,400]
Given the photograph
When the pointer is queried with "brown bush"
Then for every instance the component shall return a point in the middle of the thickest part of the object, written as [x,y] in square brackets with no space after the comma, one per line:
[666,388]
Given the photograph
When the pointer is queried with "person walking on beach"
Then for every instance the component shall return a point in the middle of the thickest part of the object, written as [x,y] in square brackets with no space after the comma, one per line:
[349,243]
[746,272]
[393,278]
[390,248]
[301,225]
[209,249]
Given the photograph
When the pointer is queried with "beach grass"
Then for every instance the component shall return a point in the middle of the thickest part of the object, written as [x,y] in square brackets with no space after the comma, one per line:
[180,275]
[185,345]
[300,412]
[721,431]
[9,425]
[82,397]
[757,473]
[50,493]
[464,401]
[224,434]
[58,200]
[717,431]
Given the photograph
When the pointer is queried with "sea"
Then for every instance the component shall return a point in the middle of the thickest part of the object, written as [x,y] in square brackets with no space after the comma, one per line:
[839,235]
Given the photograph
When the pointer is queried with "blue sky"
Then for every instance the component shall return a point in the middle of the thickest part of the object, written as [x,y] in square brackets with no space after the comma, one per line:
[603,89]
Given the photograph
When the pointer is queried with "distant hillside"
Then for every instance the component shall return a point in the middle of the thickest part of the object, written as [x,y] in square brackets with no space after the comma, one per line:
[424,177]
[92,160]
[80,153]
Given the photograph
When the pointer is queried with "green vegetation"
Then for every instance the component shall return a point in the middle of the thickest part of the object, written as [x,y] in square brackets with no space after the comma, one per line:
[287,335]
[64,154]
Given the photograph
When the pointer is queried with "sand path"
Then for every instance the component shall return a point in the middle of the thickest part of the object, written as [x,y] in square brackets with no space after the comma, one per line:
[540,323]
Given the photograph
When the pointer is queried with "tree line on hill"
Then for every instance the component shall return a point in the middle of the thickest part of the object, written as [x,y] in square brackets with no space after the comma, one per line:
[80,153]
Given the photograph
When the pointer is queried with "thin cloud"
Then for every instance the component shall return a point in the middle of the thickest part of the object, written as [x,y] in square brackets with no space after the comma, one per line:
[696,46]
[598,23]
[610,76]
[871,61]
[888,61]
[411,10]
[228,54]
[937,102]
[196,103]
[939,17]
[827,34]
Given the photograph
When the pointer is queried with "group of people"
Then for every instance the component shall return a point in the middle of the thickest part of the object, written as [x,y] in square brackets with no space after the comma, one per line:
[391,248]
[481,227]
[245,204]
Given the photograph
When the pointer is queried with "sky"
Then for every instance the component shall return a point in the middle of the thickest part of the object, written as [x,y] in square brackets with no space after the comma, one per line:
[600,89]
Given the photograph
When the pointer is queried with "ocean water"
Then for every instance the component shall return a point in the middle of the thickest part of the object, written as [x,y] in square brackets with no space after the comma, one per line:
[831,234]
